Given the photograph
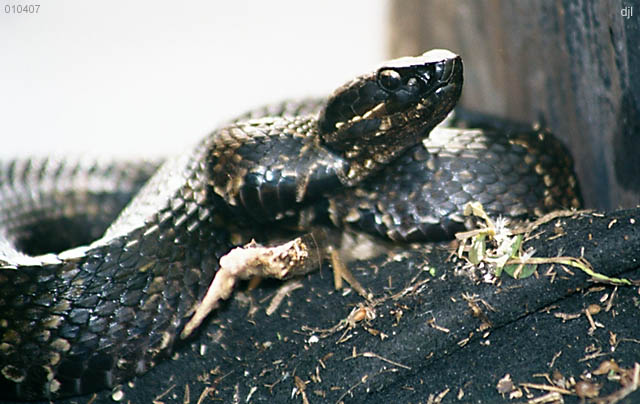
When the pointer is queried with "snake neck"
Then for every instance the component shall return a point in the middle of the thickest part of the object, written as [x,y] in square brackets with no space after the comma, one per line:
[265,168]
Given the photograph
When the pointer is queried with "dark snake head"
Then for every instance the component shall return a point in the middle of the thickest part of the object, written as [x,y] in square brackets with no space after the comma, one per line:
[374,118]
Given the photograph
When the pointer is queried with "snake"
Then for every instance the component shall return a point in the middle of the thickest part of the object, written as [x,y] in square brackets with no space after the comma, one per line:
[103,262]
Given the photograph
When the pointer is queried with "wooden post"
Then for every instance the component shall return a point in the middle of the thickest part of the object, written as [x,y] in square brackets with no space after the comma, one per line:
[572,64]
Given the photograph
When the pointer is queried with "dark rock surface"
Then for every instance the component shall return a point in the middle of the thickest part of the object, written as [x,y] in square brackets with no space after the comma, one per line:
[425,338]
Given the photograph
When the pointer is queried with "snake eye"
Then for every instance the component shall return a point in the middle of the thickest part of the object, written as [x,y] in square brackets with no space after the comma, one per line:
[389,79]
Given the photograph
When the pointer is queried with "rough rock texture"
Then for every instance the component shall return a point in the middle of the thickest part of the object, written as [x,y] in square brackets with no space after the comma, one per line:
[424,338]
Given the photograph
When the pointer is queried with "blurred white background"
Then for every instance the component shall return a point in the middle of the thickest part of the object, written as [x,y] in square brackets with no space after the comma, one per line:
[148,78]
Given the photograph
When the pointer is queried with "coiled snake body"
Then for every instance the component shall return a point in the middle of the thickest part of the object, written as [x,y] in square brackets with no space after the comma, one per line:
[93,316]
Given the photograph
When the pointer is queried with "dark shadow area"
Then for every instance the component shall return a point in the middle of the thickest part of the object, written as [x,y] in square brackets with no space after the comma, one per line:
[626,143]
[60,234]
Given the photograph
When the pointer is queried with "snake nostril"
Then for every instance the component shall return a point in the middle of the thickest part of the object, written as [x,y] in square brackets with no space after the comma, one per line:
[413,84]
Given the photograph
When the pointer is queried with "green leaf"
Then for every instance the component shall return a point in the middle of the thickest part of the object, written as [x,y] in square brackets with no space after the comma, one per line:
[515,247]
[526,271]
[478,248]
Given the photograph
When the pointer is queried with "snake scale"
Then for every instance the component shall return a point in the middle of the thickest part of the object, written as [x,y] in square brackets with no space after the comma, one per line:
[83,308]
